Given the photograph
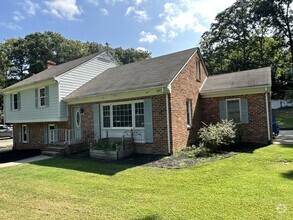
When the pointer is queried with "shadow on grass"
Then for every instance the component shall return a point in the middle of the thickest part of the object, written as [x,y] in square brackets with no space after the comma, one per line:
[245,147]
[10,155]
[89,165]
[150,217]
[288,175]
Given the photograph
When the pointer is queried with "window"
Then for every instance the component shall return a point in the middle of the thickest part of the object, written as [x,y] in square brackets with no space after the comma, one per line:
[233,110]
[122,115]
[25,134]
[188,112]
[198,76]
[16,101]
[42,97]
[139,115]
[126,115]
[106,116]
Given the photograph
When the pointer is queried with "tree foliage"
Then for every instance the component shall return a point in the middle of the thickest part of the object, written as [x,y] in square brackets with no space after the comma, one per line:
[252,34]
[23,57]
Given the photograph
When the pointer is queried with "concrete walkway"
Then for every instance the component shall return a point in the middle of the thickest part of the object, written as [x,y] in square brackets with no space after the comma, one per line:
[27,160]
[284,137]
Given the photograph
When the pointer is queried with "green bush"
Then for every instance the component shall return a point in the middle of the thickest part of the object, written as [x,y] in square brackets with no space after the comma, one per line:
[107,144]
[218,135]
[200,151]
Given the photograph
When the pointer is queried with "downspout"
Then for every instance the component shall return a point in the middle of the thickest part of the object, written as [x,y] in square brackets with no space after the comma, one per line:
[268,115]
[168,123]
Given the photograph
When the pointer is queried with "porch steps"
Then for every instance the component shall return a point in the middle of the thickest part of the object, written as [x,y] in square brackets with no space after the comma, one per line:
[54,151]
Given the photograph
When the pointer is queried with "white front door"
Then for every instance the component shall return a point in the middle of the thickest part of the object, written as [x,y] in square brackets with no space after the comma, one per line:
[77,123]
[51,129]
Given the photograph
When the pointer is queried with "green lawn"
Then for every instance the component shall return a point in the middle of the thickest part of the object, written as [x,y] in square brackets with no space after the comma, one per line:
[284,118]
[257,185]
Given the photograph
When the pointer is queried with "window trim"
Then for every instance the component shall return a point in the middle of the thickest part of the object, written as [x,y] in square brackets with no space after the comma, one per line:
[22,134]
[239,101]
[189,111]
[15,94]
[111,114]
[39,97]
[197,70]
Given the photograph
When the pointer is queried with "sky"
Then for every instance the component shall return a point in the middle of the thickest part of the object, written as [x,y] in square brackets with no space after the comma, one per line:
[159,26]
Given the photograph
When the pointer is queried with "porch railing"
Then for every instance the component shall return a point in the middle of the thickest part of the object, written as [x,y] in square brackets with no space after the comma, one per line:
[64,136]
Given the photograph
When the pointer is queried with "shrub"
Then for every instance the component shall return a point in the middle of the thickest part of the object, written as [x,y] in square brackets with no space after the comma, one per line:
[200,151]
[218,135]
[107,144]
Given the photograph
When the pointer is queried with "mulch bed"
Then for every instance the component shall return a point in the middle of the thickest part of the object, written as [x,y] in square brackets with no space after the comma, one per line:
[176,161]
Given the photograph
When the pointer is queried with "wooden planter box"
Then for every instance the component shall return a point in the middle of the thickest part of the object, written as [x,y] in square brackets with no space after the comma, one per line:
[123,150]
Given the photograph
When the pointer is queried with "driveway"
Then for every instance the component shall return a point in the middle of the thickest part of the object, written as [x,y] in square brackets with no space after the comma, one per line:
[9,155]
[6,143]
[284,137]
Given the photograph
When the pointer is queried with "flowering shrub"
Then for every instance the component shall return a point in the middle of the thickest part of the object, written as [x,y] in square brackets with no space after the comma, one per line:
[215,136]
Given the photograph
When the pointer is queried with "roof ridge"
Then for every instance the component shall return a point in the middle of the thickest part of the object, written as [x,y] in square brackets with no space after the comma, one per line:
[221,74]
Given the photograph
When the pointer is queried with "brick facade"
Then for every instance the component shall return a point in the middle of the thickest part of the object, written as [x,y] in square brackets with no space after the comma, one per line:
[36,135]
[185,86]
[256,130]
[160,142]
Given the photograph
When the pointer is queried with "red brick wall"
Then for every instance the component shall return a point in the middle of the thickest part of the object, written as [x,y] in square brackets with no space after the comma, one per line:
[36,135]
[185,86]
[256,130]
[159,145]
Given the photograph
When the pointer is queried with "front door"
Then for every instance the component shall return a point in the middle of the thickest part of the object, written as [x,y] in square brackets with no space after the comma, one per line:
[76,123]
[52,135]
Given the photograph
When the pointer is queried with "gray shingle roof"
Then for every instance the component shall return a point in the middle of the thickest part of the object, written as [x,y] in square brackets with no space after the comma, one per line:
[51,72]
[238,80]
[149,73]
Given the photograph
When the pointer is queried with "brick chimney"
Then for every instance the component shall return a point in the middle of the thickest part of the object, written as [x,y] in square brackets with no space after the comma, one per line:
[50,64]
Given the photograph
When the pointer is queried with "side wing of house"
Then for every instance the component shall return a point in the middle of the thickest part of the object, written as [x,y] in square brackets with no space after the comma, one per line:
[243,97]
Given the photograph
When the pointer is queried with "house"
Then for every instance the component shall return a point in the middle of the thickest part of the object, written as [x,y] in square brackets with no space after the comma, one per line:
[161,101]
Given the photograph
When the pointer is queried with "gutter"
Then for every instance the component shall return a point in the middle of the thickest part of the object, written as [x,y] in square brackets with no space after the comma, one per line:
[268,115]
[168,123]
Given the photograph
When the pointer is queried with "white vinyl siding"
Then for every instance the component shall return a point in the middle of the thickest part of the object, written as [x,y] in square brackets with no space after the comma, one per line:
[28,111]
[77,77]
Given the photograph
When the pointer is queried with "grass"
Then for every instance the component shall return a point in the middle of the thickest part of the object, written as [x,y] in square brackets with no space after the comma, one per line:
[284,118]
[255,185]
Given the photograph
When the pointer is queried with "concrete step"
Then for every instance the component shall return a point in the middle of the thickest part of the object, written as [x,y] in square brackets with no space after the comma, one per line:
[56,148]
[51,153]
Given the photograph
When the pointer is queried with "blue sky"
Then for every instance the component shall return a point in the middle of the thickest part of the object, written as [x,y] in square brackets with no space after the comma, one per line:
[160,26]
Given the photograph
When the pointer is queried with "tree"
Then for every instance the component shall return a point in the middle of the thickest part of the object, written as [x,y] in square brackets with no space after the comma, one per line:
[241,38]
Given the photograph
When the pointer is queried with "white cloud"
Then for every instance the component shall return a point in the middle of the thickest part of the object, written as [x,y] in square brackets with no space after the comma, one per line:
[141,49]
[113,2]
[67,9]
[10,26]
[104,11]
[94,2]
[30,7]
[147,37]
[138,15]
[138,2]
[189,15]
[18,16]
